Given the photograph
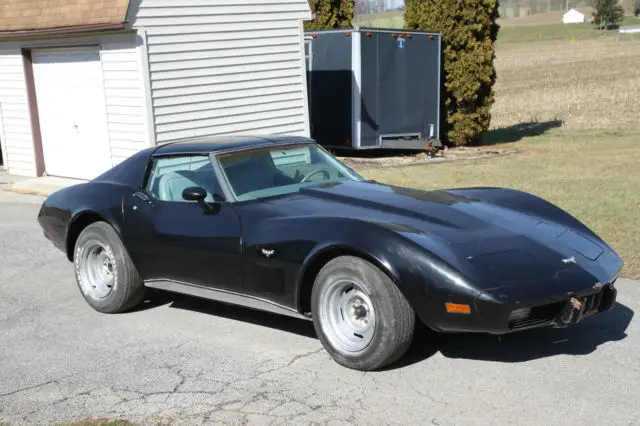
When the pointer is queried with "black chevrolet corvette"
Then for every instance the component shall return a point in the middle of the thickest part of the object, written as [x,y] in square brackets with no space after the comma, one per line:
[279,224]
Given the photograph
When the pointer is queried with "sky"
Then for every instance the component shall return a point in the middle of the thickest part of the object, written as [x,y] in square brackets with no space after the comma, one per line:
[394,4]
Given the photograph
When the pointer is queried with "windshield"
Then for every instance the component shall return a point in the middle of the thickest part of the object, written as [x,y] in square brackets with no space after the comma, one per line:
[277,170]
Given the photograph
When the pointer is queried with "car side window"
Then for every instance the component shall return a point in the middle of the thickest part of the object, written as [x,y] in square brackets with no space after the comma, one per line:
[171,175]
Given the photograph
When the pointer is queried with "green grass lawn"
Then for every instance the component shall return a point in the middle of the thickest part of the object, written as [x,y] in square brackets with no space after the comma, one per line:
[551,32]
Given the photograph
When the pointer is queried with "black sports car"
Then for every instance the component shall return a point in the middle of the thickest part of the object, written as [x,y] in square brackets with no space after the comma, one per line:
[281,225]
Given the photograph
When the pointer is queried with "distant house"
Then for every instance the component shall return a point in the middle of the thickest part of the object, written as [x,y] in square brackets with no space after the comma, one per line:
[573,16]
[86,84]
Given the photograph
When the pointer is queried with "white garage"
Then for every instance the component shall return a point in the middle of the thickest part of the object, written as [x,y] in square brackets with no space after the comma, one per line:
[81,90]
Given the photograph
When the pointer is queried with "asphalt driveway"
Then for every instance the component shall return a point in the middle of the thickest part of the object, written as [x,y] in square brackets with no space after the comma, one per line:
[185,361]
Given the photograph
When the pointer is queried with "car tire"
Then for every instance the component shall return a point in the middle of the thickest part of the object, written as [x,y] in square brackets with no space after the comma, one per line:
[359,314]
[105,274]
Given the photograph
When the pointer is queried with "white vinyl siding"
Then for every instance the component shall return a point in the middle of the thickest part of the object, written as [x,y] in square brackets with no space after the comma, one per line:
[223,67]
[17,144]
[124,96]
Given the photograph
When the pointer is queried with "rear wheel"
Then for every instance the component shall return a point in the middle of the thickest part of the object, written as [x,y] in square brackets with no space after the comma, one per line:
[359,314]
[104,271]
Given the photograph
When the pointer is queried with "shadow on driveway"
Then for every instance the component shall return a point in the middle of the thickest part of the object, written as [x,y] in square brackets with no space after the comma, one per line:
[283,323]
[581,339]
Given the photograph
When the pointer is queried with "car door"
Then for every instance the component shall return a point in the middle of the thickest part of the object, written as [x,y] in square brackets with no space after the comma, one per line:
[170,238]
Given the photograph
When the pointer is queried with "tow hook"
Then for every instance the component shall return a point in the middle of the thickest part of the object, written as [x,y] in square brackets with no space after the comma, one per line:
[571,313]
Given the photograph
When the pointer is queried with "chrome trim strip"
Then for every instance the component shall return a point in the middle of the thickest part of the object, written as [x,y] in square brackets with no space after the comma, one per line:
[223,296]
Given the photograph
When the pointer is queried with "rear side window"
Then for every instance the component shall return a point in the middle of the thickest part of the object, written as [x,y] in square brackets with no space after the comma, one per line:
[171,175]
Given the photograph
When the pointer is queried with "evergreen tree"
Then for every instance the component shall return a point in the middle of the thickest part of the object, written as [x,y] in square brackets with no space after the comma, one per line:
[330,14]
[608,12]
[469,31]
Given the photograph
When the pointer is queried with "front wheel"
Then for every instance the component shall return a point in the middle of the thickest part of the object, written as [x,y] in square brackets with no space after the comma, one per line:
[360,315]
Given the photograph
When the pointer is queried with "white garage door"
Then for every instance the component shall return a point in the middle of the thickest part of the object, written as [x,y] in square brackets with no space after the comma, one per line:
[72,112]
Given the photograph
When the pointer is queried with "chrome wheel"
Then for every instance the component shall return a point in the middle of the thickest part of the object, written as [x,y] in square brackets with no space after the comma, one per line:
[97,270]
[347,316]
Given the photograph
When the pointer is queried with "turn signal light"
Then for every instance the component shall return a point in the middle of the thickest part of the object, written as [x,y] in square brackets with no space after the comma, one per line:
[455,308]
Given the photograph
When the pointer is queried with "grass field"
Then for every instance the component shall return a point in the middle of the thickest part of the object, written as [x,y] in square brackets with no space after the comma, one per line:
[395,19]
[573,110]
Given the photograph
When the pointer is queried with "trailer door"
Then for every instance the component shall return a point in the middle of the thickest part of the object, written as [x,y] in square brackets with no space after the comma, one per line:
[400,89]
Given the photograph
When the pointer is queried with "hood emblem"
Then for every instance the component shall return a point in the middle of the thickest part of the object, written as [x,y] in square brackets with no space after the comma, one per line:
[267,253]
[571,259]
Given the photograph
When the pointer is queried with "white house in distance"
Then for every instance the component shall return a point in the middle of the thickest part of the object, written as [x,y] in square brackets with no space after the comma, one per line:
[86,84]
[573,16]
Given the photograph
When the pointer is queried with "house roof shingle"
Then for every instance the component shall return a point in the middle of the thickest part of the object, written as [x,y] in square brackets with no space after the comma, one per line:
[33,16]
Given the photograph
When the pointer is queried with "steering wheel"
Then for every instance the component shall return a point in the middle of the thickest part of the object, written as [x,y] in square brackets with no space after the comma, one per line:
[327,176]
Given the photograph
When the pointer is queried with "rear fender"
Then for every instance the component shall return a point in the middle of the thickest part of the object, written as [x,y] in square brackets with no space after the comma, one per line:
[88,209]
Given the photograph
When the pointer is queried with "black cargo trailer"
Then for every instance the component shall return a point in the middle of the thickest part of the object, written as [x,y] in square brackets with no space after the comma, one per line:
[374,88]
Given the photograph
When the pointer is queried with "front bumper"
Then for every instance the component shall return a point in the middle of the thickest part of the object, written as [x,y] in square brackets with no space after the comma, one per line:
[565,312]
[499,313]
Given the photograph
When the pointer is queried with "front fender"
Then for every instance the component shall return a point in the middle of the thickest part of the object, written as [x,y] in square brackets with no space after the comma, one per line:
[424,278]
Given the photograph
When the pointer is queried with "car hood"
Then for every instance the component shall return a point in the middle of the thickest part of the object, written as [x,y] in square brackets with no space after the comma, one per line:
[465,230]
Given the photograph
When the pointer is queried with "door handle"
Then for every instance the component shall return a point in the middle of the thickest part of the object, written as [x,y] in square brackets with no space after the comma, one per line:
[142,196]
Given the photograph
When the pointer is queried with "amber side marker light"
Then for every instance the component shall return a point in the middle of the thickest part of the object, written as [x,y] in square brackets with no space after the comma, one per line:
[455,308]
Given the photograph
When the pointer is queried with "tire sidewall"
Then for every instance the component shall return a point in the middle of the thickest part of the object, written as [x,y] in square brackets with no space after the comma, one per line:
[376,285]
[102,233]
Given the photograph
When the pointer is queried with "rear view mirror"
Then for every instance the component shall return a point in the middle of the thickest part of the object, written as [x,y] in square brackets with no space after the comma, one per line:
[194,193]
[198,194]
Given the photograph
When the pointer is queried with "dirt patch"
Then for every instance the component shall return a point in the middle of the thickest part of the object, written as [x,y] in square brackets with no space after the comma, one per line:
[23,191]
[451,154]
[531,152]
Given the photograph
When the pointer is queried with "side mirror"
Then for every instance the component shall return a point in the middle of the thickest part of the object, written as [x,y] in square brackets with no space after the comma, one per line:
[194,193]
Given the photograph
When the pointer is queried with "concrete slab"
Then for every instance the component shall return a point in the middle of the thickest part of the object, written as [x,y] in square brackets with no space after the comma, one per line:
[6,178]
[42,186]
